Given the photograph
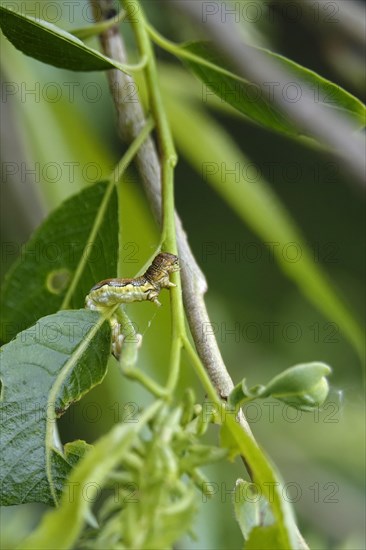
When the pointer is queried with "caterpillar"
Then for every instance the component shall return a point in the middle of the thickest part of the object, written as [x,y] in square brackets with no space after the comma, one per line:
[111,292]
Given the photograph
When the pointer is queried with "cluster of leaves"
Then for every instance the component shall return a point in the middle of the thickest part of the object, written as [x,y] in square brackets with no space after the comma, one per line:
[148,482]
[154,500]
[161,507]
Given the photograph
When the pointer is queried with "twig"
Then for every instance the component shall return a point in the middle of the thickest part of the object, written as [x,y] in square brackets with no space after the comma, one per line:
[131,119]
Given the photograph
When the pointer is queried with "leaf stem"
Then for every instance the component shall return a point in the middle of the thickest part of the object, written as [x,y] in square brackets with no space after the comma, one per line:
[179,51]
[83,33]
[174,363]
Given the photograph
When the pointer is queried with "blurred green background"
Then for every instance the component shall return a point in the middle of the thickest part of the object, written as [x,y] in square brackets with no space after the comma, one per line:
[59,134]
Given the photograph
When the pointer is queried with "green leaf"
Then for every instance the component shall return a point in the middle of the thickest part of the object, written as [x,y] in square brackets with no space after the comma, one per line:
[243,95]
[50,44]
[251,508]
[43,371]
[253,102]
[264,538]
[37,283]
[92,472]
[259,207]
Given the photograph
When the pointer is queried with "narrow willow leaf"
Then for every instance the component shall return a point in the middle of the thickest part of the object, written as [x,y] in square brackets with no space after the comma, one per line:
[43,371]
[258,206]
[253,102]
[90,472]
[37,283]
[50,44]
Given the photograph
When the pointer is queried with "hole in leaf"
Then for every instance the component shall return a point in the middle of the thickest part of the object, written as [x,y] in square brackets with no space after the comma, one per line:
[58,280]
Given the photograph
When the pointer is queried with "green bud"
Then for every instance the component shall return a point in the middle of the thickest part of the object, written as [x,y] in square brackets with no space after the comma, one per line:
[303,387]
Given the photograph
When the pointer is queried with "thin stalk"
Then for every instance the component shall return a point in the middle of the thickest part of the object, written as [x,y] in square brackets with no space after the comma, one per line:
[174,363]
[83,33]
[178,51]
[150,384]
